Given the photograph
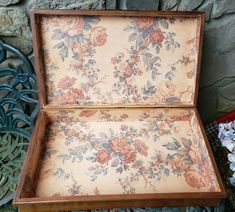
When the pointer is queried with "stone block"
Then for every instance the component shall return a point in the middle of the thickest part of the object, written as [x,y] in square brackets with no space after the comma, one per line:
[223,7]
[186,5]
[142,4]
[67,4]
[5,3]
[15,29]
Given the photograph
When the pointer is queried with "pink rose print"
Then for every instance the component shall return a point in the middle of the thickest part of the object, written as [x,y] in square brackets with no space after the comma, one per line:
[128,71]
[76,65]
[74,25]
[71,132]
[74,95]
[157,36]
[144,23]
[193,179]
[87,113]
[103,157]
[184,117]
[98,36]
[130,156]
[124,116]
[120,145]
[141,147]
[66,82]
[113,60]
[121,66]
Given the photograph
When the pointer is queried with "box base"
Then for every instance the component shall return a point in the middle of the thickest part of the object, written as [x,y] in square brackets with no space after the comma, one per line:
[124,157]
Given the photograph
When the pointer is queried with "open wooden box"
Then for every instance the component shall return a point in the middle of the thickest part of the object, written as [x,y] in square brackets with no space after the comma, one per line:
[118,125]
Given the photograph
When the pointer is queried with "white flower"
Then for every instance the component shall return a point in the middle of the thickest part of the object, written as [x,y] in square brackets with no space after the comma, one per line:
[232,166]
[228,143]
[231,157]
[232,180]
[227,138]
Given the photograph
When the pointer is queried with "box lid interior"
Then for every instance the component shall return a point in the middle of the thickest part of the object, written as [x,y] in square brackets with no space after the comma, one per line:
[120,60]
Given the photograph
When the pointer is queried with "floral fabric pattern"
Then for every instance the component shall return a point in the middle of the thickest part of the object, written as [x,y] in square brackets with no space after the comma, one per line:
[134,150]
[120,60]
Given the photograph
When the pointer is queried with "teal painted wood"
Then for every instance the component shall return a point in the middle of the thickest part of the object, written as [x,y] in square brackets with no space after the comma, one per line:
[18,109]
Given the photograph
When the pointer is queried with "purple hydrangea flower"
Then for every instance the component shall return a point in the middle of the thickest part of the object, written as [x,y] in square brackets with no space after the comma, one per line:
[227,138]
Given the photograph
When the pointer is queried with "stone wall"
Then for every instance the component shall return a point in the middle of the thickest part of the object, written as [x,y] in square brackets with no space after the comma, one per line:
[217,81]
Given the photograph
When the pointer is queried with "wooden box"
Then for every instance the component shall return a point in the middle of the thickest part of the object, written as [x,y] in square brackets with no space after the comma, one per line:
[118,125]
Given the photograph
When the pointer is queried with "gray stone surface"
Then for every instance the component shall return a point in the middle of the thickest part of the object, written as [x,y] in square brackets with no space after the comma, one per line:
[14,28]
[219,50]
[111,4]
[121,4]
[115,4]
[14,22]
[169,5]
[186,5]
[218,67]
[8,2]
[25,45]
[216,99]
[207,8]
[142,4]
[226,97]
[66,4]
[222,7]
[207,102]
[12,62]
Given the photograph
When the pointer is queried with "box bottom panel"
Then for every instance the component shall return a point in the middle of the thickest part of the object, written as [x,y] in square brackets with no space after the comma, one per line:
[124,151]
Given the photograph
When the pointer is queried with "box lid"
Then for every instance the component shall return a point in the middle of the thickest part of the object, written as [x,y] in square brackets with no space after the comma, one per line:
[104,58]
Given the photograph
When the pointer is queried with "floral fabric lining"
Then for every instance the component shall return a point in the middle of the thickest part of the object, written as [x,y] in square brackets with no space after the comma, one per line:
[124,151]
[120,60]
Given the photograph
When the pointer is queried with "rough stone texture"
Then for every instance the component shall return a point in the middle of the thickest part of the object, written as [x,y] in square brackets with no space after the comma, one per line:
[226,97]
[186,5]
[122,4]
[111,4]
[8,2]
[25,45]
[14,22]
[219,50]
[207,8]
[169,5]
[14,28]
[142,4]
[115,4]
[213,102]
[222,7]
[218,66]
[66,4]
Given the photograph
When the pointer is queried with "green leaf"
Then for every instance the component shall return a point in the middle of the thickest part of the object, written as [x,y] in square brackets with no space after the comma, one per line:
[132,37]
